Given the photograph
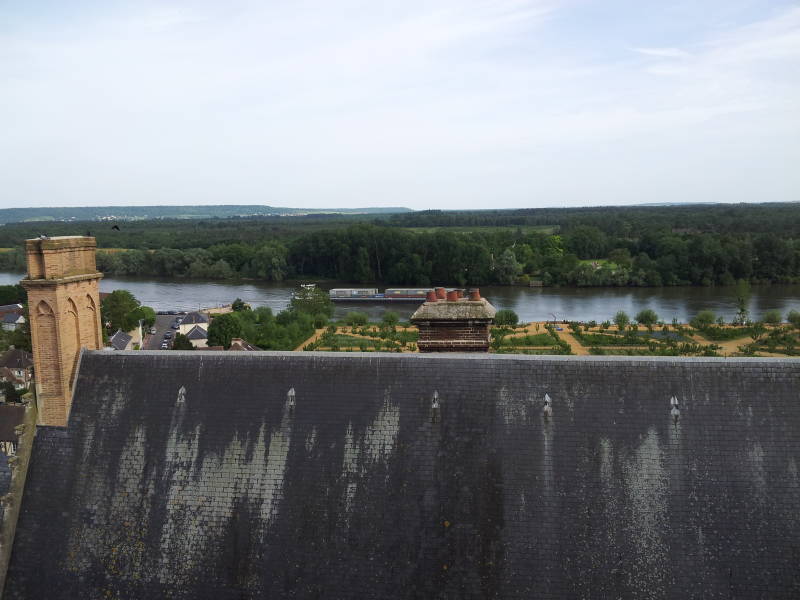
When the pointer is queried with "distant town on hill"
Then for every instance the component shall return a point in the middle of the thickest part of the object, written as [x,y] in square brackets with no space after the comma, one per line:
[132,213]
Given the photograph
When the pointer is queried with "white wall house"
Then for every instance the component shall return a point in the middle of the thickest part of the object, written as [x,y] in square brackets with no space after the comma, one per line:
[191,320]
[198,336]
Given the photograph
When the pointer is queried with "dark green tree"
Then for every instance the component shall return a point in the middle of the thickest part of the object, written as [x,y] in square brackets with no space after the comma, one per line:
[182,342]
[12,294]
[647,317]
[390,318]
[11,394]
[773,317]
[312,301]
[742,292]
[621,320]
[506,318]
[118,309]
[703,319]
[223,329]
[356,318]
[507,269]
[145,314]
[238,305]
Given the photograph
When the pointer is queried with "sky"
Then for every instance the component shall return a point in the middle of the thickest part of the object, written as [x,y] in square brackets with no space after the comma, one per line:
[451,104]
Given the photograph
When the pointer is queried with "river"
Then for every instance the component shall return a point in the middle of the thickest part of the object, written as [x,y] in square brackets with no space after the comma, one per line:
[531,304]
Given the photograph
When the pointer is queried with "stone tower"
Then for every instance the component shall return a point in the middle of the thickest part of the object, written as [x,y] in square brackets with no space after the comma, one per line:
[64,306]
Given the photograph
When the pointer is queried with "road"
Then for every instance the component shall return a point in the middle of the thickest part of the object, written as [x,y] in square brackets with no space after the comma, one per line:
[163,322]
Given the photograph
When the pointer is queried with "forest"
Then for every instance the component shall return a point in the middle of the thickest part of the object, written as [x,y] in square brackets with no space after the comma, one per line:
[611,246]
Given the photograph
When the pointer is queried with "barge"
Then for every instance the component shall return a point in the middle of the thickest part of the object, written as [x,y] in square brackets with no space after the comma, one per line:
[373,295]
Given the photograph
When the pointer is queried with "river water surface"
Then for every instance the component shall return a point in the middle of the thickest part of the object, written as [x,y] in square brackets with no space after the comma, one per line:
[531,304]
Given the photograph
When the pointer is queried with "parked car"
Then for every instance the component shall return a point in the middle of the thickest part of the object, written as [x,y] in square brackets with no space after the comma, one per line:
[152,331]
[168,335]
[175,325]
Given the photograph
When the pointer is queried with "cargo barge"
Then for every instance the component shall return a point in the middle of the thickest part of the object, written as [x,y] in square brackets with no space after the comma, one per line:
[373,295]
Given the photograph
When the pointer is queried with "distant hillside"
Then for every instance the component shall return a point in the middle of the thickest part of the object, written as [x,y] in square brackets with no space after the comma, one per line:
[131,213]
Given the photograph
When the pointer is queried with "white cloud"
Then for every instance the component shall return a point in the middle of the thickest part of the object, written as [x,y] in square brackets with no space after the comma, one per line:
[663,52]
[451,104]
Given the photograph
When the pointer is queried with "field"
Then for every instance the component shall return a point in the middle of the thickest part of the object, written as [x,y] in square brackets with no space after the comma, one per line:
[576,338]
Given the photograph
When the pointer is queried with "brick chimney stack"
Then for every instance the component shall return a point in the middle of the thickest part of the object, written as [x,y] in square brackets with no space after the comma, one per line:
[453,323]
[64,306]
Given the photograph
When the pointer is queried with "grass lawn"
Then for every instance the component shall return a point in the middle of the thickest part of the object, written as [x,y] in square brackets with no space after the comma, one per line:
[540,339]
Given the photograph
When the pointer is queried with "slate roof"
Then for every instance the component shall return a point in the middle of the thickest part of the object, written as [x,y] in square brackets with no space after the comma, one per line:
[11,317]
[240,345]
[16,358]
[120,340]
[5,308]
[462,310]
[199,475]
[193,318]
[197,333]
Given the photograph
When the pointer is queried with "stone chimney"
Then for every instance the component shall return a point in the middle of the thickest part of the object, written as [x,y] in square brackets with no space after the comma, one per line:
[64,306]
[454,324]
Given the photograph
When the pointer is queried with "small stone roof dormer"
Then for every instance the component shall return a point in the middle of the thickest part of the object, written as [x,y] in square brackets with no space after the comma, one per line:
[454,323]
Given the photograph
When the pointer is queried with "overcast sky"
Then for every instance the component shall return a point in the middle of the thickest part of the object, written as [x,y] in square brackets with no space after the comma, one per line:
[425,104]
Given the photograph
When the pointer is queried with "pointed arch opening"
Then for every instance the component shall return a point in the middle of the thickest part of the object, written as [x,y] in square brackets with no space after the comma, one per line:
[92,333]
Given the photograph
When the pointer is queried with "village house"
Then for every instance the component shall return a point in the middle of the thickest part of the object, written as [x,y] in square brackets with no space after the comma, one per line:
[198,336]
[16,367]
[11,316]
[191,320]
[12,321]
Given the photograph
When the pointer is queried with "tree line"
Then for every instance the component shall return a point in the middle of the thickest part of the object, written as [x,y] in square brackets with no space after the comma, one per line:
[639,246]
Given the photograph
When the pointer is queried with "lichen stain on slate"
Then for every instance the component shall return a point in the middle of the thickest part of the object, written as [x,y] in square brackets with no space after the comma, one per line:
[224,490]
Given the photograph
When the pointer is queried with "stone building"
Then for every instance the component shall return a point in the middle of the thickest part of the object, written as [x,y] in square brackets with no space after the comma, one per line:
[452,323]
[445,475]
[63,300]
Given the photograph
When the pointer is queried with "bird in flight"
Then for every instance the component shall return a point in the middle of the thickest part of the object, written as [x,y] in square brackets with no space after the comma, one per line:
[115,227]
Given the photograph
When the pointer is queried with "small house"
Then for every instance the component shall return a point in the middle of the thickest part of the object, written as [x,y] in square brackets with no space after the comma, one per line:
[198,336]
[12,321]
[19,364]
[193,319]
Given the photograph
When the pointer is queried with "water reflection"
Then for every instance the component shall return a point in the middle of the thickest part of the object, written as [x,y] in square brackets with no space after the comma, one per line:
[529,303]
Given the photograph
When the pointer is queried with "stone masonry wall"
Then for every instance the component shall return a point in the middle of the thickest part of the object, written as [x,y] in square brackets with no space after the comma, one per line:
[453,337]
[64,301]
[11,501]
[199,475]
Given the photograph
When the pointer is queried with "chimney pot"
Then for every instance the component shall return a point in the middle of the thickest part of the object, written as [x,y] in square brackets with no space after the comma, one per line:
[474,294]
[441,294]
[430,296]
[452,296]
